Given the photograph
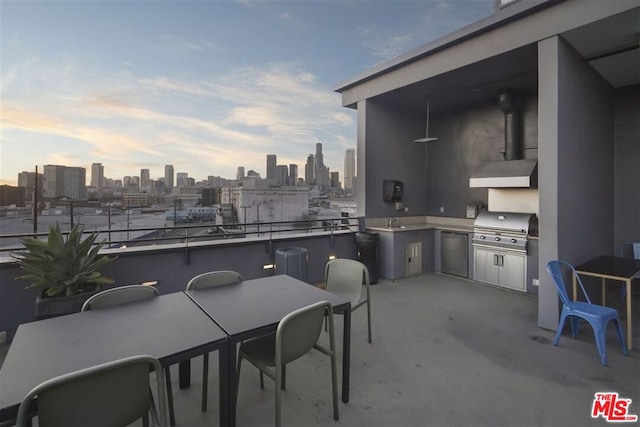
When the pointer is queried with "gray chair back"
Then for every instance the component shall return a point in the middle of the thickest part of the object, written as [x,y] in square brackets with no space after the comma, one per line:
[120,295]
[214,278]
[299,331]
[111,394]
[345,277]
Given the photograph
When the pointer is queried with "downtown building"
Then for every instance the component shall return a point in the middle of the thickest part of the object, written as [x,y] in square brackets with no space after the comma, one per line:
[267,204]
[62,182]
[27,180]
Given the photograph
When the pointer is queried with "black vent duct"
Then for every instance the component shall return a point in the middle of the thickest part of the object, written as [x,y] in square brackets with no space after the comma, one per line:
[513,171]
[512,148]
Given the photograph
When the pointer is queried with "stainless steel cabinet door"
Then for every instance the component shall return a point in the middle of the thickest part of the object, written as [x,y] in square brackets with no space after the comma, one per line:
[486,269]
[512,271]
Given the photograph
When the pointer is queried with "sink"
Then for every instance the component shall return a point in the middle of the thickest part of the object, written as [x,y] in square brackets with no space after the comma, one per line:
[400,227]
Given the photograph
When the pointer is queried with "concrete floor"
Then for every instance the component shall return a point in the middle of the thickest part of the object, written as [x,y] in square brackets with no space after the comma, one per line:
[445,352]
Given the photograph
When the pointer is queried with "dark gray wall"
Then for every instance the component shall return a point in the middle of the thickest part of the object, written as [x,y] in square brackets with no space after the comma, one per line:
[575,166]
[469,139]
[390,154]
[626,166]
[585,159]
[174,267]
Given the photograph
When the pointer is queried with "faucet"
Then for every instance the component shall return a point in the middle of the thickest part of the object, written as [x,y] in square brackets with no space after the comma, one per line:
[392,221]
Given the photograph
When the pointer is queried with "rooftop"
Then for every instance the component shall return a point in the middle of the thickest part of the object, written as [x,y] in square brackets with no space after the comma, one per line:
[446,351]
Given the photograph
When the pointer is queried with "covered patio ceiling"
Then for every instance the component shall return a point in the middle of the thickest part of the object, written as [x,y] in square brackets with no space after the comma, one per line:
[611,46]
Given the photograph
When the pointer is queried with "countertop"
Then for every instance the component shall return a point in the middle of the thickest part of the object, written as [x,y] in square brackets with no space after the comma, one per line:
[462,225]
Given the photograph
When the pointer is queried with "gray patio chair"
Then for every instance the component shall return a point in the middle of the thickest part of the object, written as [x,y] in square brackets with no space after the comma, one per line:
[345,277]
[297,334]
[204,281]
[111,394]
[125,295]
[120,295]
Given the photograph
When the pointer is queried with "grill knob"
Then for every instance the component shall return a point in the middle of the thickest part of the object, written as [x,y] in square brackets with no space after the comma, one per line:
[514,241]
[497,239]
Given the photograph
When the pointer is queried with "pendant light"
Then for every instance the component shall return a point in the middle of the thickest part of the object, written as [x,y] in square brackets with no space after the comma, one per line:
[426,139]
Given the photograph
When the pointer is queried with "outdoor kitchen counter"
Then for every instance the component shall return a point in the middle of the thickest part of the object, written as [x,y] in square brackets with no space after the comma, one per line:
[424,226]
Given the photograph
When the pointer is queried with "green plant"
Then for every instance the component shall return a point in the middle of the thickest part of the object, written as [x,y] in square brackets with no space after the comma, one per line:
[58,265]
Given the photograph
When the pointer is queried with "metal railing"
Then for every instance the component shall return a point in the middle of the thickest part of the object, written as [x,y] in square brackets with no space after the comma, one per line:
[196,232]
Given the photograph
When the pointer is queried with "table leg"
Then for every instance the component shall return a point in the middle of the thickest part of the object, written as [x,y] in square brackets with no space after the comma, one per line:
[346,354]
[575,288]
[232,383]
[184,374]
[604,281]
[629,334]
[224,372]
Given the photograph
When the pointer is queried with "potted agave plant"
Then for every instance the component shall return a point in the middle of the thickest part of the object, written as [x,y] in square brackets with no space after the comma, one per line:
[65,271]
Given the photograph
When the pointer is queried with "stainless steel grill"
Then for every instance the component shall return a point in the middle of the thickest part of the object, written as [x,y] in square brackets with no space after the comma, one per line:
[504,230]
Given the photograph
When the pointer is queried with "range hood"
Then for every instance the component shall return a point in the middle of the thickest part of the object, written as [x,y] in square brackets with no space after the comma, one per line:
[504,174]
[514,171]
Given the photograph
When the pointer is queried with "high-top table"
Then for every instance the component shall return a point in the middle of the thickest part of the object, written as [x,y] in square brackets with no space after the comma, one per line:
[615,268]
[170,328]
[255,307]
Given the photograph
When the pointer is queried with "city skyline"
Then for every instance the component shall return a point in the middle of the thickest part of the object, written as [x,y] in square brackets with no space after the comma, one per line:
[206,86]
[97,177]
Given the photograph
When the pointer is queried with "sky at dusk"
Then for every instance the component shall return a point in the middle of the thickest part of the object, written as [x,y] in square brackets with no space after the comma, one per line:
[204,85]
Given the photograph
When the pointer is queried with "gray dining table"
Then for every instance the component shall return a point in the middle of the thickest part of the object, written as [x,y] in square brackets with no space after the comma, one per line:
[47,348]
[253,308]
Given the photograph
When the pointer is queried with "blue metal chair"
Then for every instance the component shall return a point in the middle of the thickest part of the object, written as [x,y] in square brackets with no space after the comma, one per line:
[629,250]
[597,315]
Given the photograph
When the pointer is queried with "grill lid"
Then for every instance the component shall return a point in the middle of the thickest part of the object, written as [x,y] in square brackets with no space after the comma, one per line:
[525,223]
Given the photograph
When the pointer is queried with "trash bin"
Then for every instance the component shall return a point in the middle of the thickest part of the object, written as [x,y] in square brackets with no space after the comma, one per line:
[292,262]
[367,246]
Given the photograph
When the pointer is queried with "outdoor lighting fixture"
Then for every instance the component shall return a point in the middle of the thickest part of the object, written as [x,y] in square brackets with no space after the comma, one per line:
[268,266]
[150,283]
[332,257]
[426,138]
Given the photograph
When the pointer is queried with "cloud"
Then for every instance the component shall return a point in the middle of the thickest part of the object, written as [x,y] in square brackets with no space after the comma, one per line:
[176,42]
[203,126]
[386,46]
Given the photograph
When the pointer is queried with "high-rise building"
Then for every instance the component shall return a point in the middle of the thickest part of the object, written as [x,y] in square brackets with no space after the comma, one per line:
[168,178]
[310,170]
[65,182]
[335,180]
[27,180]
[145,179]
[271,166]
[97,175]
[240,173]
[293,174]
[321,171]
[282,175]
[182,179]
[349,168]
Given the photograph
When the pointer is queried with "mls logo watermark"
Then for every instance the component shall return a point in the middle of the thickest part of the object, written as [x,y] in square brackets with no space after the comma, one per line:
[612,408]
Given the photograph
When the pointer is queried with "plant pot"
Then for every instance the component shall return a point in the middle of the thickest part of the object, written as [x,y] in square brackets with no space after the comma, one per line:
[47,307]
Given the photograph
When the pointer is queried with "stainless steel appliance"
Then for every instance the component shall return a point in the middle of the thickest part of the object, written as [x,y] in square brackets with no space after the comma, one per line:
[499,242]
[454,253]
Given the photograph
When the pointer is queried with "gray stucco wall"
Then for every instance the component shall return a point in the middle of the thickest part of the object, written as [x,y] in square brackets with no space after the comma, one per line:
[469,139]
[626,166]
[575,165]
[391,154]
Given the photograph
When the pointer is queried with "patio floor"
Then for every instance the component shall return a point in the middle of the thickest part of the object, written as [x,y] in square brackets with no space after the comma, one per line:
[446,352]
